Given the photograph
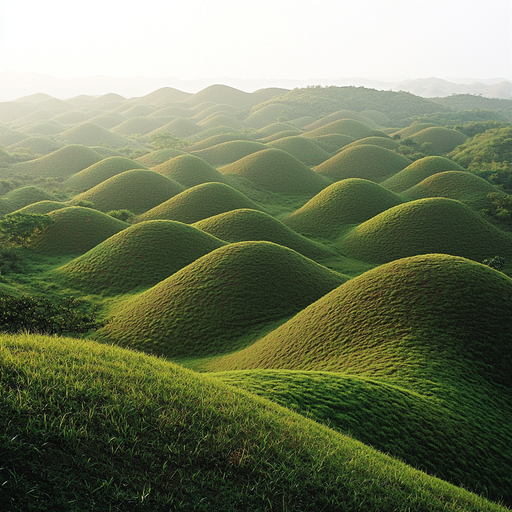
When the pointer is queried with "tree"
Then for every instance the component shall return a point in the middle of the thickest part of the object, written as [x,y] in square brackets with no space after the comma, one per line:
[124,215]
[20,228]
[497,263]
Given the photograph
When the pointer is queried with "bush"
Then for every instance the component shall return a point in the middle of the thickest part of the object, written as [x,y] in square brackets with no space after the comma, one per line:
[20,228]
[497,263]
[124,215]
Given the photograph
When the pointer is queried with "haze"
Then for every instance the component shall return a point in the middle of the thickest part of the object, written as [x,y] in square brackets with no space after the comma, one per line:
[264,39]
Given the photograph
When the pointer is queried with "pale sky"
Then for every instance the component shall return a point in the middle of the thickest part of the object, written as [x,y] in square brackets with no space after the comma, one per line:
[258,39]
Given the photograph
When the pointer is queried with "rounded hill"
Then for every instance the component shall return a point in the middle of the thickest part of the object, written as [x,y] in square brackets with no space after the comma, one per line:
[214,304]
[277,171]
[200,202]
[266,115]
[135,125]
[229,152]
[252,225]
[101,171]
[341,114]
[368,162]
[442,140]
[137,190]
[426,226]
[76,230]
[411,130]
[140,256]
[220,119]
[383,142]
[159,156]
[349,201]
[49,128]
[189,170]
[214,140]
[305,150]
[275,128]
[90,134]
[418,171]
[179,127]
[350,127]
[24,196]
[38,146]
[43,207]
[332,143]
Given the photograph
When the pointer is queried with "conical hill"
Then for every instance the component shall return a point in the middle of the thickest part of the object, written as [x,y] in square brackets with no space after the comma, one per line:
[418,171]
[341,114]
[43,207]
[214,304]
[189,170]
[384,142]
[214,140]
[229,152]
[159,156]
[252,225]
[424,226]
[141,255]
[350,127]
[200,202]
[368,162]
[278,171]
[345,202]
[101,171]
[76,230]
[303,149]
[24,196]
[442,140]
[137,190]
[90,134]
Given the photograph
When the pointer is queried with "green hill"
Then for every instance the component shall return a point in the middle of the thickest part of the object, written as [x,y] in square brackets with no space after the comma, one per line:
[426,226]
[137,190]
[101,171]
[220,94]
[167,438]
[7,138]
[179,127]
[280,135]
[345,202]
[76,230]
[368,162]
[214,140]
[413,129]
[462,186]
[229,152]
[218,108]
[217,303]
[377,117]
[189,170]
[252,225]
[418,171]
[136,125]
[140,110]
[139,256]
[349,127]
[71,117]
[200,202]
[277,171]
[305,150]
[332,143]
[43,207]
[108,120]
[164,95]
[266,115]
[38,146]
[49,128]
[383,142]
[274,128]
[442,140]
[24,196]
[158,157]
[90,134]
[221,119]
[341,114]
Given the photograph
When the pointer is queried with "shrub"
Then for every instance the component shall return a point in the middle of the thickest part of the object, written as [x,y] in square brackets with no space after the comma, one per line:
[20,228]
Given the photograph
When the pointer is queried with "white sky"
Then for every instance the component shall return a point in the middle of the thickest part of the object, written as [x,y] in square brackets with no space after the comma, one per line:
[258,39]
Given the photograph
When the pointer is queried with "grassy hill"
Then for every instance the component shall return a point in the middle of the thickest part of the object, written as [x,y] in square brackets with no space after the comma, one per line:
[76,230]
[383,142]
[139,256]
[442,140]
[350,127]
[200,202]
[159,437]
[341,114]
[277,171]
[190,313]
[43,207]
[90,134]
[159,156]
[303,149]
[334,142]
[137,190]
[229,152]
[27,195]
[266,115]
[179,127]
[37,146]
[101,171]
[345,202]
[368,162]
[418,171]
[246,225]
[217,139]
[425,226]
[189,170]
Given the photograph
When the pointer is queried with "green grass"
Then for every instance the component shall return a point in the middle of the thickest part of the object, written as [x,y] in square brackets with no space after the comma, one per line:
[219,302]
[159,156]
[49,128]
[43,207]
[334,142]
[209,142]
[218,108]
[136,125]
[39,146]
[71,117]
[95,427]
[221,119]
[179,127]
[383,142]
[418,171]
[433,225]
[138,191]
[266,115]
[108,120]
[305,150]
[275,128]
[24,196]
[229,152]
[350,127]
[442,140]
[76,230]
[139,256]
[377,117]
[8,138]
[189,170]
[246,225]
[101,171]
[341,114]
[343,203]
[414,128]
[368,162]
[281,135]
[277,171]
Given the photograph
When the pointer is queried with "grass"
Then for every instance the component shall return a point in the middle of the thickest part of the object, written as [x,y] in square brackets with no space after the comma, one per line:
[368,162]
[200,202]
[303,149]
[383,142]
[274,129]
[216,303]
[442,140]
[334,142]
[341,114]
[179,127]
[418,171]
[343,203]
[426,226]
[36,146]
[229,152]
[24,196]
[43,207]
[214,140]
[101,171]
[414,128]
[266,115]
[139,256]
[95,427]
[136,125]
[221,119]
[123,191]
[159,156]
[277,171]
[49,128]
[90,134]
[350,127]
[189,170]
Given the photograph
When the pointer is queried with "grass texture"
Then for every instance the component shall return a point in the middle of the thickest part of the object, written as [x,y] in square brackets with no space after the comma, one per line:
[229,152]
[350,127]
[154,158]
[211,306]
[139,256]
[95,427]
[138,191]
[200,202]
[368,162]
[304,150]
[43,207]
[442,140]
[426,226]
[277,171]
[345,202]
[24,196]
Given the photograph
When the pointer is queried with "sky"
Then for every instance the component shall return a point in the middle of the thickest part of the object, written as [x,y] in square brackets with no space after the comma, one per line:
[264,39]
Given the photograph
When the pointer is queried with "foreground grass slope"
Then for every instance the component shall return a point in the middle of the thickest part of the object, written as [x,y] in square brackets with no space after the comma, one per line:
[95,427]
[217,303]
